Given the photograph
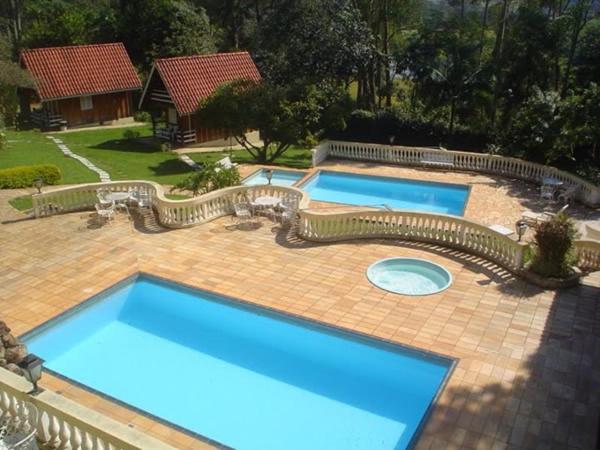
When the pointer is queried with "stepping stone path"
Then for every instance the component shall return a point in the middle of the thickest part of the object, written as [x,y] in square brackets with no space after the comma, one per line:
[104,176]
[189,161]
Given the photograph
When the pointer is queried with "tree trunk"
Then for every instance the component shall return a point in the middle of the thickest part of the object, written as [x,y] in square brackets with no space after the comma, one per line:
[452,115]
[580,24]
[483,28]
[497,55]
[386,52]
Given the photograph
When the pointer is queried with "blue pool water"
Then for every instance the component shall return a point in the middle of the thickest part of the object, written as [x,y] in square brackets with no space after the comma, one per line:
[397,193]
[280,178]
[409,276]
[240,375]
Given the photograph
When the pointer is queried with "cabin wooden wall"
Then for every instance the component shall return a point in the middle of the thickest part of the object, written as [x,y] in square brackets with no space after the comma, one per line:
[106,108]
[203,134]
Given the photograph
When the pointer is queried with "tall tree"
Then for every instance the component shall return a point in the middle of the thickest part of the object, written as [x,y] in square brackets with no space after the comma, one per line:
[313,40]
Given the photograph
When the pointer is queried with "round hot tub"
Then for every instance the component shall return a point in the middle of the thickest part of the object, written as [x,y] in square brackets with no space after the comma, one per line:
[409,276]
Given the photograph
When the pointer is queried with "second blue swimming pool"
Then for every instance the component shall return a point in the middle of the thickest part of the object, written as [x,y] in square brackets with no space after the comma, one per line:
[396,193]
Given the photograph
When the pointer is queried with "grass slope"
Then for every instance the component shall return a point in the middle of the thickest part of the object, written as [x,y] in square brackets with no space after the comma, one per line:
[31,147]
[123,159]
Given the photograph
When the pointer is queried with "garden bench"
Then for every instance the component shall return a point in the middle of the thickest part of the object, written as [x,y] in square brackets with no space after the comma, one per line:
[438,159]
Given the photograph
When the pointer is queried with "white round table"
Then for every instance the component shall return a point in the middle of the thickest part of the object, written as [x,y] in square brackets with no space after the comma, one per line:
[266,201]
[118,196]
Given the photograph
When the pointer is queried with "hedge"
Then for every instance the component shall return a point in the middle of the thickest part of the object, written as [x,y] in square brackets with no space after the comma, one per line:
[386,126]
[25,176]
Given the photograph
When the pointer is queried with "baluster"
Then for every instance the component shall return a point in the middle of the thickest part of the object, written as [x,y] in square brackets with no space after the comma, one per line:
[64,434]
[53,431]
[76,440]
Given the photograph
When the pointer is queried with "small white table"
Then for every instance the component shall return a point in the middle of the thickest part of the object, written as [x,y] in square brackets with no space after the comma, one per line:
[549,181]
[265,205]
[118,197]
[266,200]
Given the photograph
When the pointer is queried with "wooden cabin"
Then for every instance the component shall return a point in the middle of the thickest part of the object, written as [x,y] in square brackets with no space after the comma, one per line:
[79,85]
[176,86]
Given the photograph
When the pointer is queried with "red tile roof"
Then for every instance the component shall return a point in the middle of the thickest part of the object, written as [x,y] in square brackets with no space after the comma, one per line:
[61,72]
[189,79]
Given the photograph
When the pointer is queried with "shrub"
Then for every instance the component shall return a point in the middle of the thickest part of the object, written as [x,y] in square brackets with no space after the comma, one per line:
[210,178]
[553,247]
[131,134]
[400,128]
[25,176]
[142,116]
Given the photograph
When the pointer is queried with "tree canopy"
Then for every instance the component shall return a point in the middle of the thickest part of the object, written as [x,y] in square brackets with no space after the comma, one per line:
[473,69]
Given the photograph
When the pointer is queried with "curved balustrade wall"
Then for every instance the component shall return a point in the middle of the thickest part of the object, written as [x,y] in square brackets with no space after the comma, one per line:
[449,231]
[588,193]
[171,213]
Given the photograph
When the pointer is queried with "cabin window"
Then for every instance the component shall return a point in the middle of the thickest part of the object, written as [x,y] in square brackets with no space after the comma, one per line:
[172,116]
[86,103]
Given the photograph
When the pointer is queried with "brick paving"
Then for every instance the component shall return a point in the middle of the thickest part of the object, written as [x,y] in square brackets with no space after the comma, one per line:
[528,370]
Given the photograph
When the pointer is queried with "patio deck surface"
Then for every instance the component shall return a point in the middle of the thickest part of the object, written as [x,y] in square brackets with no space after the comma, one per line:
[528,369]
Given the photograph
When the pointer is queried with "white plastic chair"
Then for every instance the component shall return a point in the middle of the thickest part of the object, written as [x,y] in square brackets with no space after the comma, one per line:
[533,218]
[226,163]
[547,192]
[104,212]
[103,196]
[568,195]
[18,432]
[242,212]
[141,198]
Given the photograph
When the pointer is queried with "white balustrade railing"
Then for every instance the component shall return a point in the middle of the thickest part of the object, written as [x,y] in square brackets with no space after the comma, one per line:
[588,254]
[65,425]
[171,213]
[587,193]
[449,231]
[320,153]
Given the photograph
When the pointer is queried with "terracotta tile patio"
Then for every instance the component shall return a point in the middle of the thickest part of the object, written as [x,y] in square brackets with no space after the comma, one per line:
[528,369]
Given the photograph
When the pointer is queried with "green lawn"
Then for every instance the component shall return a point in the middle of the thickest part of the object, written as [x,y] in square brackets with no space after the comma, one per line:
[123,159]
[31,147]
[295,157]
[22,203]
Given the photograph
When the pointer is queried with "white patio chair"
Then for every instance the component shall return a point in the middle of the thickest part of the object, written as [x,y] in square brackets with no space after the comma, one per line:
[242,212]
[18,432]
[568,194]
[226,163]
[105,212]
[103,196]
[547,192]
[141,198]
[286,213]
[532,218]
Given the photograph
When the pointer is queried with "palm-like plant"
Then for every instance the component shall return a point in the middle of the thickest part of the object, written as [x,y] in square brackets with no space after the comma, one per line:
[209,178]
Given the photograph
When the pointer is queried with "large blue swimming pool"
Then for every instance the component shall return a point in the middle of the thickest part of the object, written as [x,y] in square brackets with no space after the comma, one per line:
[396,193]
[240,375]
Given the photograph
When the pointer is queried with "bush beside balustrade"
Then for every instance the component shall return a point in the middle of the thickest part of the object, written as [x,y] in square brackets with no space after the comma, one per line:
[63,424]
[588,193]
